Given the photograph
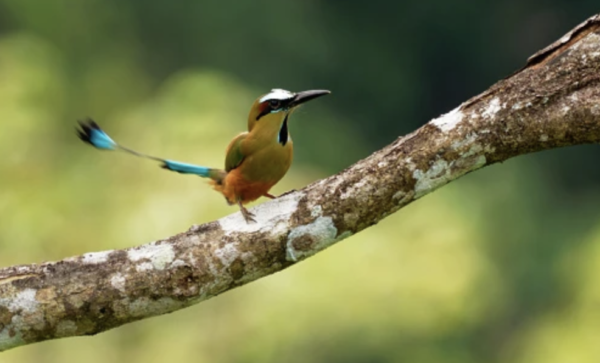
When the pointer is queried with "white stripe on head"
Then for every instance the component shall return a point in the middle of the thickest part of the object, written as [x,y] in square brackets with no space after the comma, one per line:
[277,94]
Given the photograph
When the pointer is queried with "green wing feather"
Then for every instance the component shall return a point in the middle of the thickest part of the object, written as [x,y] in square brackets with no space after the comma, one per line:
[235,156]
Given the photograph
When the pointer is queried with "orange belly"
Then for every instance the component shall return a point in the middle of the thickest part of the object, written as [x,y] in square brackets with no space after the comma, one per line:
[234,187]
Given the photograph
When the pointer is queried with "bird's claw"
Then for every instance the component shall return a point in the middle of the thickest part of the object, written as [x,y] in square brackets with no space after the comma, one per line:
[249,217]
[271,196]
[288,192]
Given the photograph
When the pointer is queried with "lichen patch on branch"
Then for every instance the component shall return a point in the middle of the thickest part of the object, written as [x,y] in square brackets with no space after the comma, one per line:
[152,255]
[448,121]
[96,257]
[278,209]
[492,108]
[308,239]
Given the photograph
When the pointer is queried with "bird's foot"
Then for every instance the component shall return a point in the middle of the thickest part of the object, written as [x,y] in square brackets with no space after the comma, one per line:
[288,192]
[248,216]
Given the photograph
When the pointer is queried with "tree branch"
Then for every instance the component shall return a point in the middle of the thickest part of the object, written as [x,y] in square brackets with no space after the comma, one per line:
[553,101]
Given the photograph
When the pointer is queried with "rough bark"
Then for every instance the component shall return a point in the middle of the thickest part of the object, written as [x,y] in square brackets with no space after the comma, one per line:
[553,101]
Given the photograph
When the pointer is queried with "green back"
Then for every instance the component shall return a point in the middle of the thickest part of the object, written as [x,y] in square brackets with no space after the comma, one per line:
[235,155]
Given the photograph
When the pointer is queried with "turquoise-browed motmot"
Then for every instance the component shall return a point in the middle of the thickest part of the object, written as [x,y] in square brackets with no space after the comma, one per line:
[255,160]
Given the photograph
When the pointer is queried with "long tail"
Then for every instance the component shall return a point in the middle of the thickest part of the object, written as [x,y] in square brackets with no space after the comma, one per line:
[91,133]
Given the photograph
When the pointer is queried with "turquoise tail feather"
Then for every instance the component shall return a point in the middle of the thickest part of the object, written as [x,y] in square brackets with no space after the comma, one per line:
[91,133]
[185,168]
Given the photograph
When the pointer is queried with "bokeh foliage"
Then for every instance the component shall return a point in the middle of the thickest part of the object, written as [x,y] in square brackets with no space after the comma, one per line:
[500,266]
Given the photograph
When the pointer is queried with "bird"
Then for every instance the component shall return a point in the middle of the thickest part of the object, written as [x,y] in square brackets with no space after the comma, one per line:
[255,160]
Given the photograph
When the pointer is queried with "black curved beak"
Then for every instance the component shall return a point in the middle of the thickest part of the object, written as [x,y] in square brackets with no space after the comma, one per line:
[305,96]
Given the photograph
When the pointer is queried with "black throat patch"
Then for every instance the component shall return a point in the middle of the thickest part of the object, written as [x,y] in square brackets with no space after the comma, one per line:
[283,132]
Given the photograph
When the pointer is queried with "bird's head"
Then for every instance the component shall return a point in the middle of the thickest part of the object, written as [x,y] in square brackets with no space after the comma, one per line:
[272,109]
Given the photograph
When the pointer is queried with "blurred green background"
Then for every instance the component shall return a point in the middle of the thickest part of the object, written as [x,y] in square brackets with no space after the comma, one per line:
[500,266]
